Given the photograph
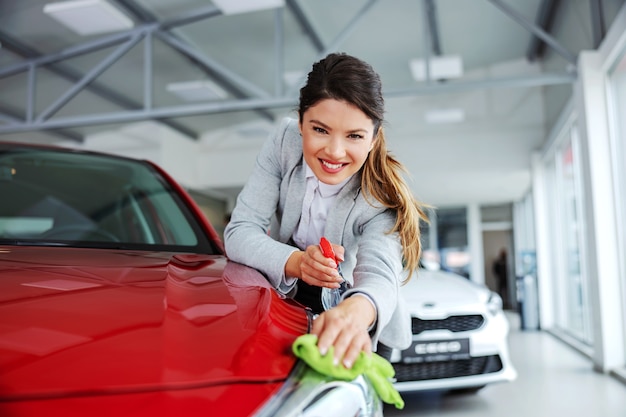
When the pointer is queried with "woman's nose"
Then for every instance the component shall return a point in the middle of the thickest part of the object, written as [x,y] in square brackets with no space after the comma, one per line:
[335,147]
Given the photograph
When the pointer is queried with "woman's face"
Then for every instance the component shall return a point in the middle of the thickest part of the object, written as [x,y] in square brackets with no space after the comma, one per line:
[336,139]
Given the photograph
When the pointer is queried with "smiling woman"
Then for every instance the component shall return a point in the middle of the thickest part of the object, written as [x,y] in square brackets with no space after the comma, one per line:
[329,174]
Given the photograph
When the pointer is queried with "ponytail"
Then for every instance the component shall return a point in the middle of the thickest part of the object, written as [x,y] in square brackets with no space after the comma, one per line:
[382,179]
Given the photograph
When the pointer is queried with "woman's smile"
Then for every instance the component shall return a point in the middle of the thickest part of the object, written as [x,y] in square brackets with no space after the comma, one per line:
[331,167]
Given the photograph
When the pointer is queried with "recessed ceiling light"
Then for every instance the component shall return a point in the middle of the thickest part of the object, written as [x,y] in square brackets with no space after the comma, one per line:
[88,17]
[245,6]
[441,116]
[441,67]
[197,90]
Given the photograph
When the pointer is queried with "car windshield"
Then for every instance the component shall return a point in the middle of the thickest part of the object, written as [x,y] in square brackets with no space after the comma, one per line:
[51,197]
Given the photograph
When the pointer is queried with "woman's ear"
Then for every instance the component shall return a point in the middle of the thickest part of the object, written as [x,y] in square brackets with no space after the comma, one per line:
[373,143]
[378,136]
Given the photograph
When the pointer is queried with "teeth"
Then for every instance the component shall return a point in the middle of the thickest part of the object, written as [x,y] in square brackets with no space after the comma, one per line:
[331,166]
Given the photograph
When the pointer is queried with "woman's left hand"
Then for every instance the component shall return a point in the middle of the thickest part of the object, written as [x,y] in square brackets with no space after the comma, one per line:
[345,327]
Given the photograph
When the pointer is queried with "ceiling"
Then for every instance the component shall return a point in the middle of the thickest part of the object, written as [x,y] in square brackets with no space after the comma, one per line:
[518,62]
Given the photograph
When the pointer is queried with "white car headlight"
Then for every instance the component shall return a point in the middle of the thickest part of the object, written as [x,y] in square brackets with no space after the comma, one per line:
[494,303]
[307,393]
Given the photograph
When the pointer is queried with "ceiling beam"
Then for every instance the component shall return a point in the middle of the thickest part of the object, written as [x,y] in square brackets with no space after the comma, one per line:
[349,28]
[544,20]
[74,76]
[598,26]
[11,116]
[88,78]
[255,99]
[228,79]
[239,87]
[334,44]
[539,32]
[281,102]
[34,57]
[305,24]
[433,26]
[235,85]
[426,43]
[279,51]
[191,16]
[139,13]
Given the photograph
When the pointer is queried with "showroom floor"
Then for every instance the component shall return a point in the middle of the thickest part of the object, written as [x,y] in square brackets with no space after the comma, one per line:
[553,380]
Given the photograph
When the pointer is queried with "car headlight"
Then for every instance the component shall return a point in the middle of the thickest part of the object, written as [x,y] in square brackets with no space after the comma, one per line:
[494,303]
[308,393]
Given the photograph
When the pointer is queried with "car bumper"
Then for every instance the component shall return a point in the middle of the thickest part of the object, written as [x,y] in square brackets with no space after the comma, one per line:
[488,360]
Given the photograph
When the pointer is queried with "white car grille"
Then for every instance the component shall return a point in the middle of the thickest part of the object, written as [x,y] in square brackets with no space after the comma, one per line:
[453,323]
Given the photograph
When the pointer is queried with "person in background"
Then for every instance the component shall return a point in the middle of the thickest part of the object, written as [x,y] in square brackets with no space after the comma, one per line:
[329,174]
[500,270]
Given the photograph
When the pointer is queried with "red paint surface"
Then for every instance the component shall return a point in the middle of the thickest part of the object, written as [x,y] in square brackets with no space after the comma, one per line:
[104,332]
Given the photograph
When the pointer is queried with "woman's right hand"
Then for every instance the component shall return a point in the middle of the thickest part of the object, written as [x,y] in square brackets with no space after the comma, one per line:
[345,327]
[312,267]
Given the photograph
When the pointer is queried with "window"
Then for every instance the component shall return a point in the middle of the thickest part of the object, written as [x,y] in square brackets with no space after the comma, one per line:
[571,295]
[617,125]
[55,197]
[452,240]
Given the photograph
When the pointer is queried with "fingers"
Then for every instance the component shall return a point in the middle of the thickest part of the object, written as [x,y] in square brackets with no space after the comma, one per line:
[318,270]
[339,252]
[337,328]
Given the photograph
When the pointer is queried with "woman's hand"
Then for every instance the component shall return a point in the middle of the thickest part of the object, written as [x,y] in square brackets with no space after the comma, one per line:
[312,267]
[345,328]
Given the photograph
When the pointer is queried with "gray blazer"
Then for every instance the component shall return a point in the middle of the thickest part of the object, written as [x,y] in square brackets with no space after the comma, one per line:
[267,213]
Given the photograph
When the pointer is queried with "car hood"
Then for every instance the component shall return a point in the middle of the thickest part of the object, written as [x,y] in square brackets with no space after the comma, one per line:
[129,321]
[436,291]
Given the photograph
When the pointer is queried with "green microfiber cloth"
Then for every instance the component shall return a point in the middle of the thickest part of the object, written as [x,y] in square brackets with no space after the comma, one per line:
[376,368]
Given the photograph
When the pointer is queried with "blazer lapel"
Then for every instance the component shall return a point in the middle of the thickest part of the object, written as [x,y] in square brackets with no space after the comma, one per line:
[293,202]
[338,215]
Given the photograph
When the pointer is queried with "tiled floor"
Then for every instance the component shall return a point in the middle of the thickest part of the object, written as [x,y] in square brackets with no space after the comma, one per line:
[553,380]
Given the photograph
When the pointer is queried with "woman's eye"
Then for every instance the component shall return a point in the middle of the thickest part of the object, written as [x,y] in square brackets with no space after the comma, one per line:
[319,129]
[355,136]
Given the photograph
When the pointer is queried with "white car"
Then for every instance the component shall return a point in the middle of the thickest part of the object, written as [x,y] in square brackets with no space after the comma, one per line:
[459,335]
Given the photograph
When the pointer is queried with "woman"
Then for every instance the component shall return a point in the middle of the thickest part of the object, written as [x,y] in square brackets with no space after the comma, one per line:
[329,174]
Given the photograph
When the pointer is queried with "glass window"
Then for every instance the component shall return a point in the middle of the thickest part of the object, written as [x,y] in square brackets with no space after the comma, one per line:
[430,252]
[617,125]
[572,293]
[56,197]
[444,241]
[452,240]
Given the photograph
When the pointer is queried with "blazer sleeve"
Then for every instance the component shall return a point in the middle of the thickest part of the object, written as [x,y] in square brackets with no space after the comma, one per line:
[246,237]
[378,273]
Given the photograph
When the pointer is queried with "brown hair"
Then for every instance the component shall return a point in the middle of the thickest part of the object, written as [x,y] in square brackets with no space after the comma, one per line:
[345,78]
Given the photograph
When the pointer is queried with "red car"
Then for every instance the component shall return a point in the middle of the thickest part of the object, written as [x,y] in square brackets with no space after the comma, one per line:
[117,300]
